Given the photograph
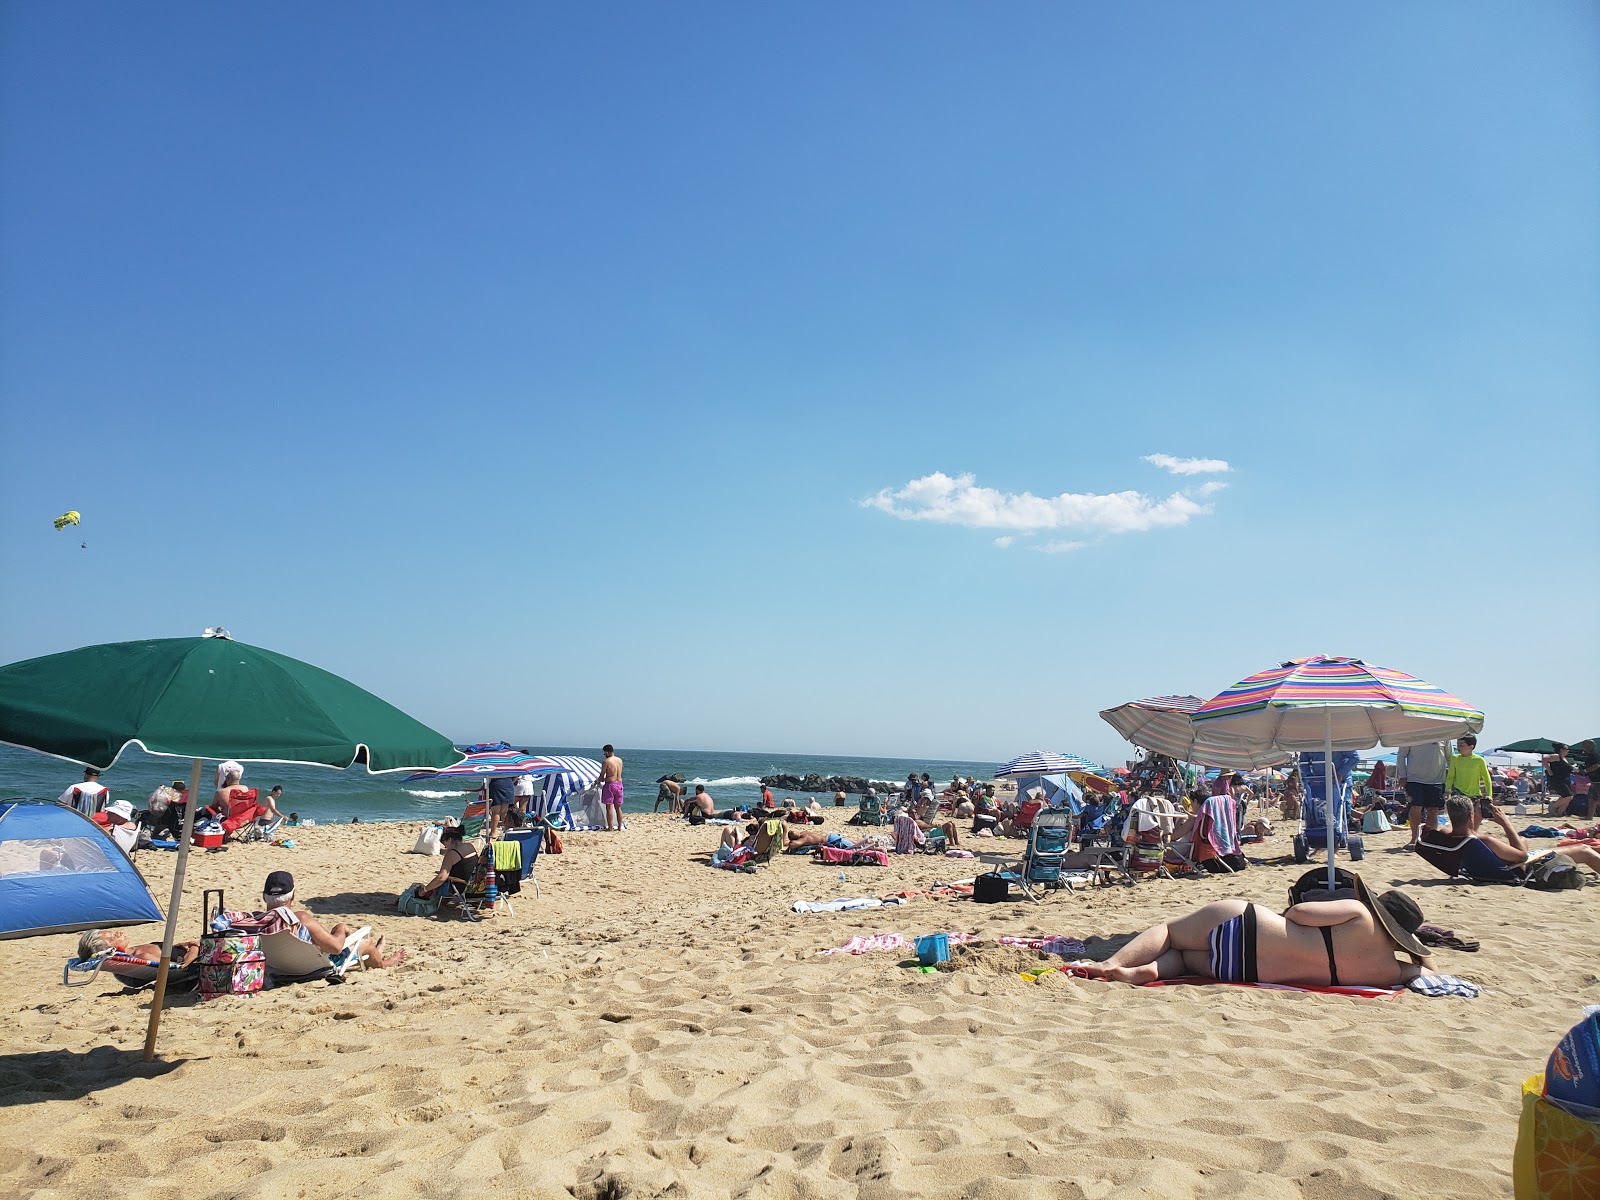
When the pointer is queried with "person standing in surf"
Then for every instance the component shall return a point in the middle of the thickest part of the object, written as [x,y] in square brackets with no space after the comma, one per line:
[611,787]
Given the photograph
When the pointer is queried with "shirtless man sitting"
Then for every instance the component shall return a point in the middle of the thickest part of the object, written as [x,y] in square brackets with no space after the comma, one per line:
[1312,944]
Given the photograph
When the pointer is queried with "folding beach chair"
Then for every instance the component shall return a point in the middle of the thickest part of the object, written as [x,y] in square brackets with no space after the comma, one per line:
[1043,860]
[770,841]
[1468,858]
[871,811]
[259,830]
[290,959]
[130,972]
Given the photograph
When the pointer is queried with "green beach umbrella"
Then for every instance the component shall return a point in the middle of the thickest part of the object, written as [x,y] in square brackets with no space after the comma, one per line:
[199,698]
[1538,746]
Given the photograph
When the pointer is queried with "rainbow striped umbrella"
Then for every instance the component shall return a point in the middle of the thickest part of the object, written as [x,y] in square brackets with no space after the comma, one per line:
[1333,704]
[1330,704]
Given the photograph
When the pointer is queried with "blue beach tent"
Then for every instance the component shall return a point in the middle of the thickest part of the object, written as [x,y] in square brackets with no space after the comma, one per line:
[60,874]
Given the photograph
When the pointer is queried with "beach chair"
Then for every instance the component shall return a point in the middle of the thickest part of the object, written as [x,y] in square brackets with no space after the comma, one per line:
[770,841]
[1468,858]
[258,831]
[130,972]
[1317,810]
[1216,837]
[1043,864]
[531,838]
[293,960]
[870,811]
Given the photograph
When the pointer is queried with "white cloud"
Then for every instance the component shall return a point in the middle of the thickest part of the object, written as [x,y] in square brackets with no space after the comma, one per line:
[1003,542]
[960,501]
[1060,547]
[1210,488]
[1188,466]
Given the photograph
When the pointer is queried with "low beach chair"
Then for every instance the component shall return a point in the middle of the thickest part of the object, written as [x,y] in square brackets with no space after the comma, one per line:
[292,960]
[1042,866]
[870,811]
[770,841]
[130,972]
[1468,858]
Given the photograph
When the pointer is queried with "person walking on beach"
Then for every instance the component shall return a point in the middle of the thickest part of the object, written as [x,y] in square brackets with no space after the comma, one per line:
[1421,770]
[611,788]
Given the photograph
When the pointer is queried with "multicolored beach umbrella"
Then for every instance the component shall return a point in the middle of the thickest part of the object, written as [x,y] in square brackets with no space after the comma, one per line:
[1330,704]
[489,764]
[1165,725]
[1326,703]
[1044,762]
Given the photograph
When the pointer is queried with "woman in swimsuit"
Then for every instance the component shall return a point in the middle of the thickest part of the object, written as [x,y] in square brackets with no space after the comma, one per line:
[1313,944]
[460,860]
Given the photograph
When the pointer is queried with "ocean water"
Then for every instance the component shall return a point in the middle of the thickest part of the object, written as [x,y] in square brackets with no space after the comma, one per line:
[330,795]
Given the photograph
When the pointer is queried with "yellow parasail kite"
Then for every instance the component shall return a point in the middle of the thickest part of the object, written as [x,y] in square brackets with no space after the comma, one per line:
[65,519]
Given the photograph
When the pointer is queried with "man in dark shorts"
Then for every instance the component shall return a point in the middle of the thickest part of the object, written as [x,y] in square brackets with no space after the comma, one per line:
[1422,770]
[502,795]
[1558,779]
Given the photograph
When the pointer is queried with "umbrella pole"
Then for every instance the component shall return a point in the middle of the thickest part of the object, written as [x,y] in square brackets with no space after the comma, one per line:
[1332,809]
[172,913]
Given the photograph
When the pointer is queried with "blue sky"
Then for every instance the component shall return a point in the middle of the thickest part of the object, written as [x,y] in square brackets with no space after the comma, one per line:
[674,375]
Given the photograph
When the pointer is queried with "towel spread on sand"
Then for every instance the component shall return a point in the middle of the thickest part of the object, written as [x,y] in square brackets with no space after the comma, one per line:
[1366,993]
[862,944]
[1054,944]
[816,906]
[1445,985]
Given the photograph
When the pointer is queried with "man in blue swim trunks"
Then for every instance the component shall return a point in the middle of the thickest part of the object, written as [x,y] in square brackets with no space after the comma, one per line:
[1349,941]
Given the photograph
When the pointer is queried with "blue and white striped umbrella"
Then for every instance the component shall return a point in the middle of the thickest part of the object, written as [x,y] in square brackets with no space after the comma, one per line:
[1044,762]
[564,775]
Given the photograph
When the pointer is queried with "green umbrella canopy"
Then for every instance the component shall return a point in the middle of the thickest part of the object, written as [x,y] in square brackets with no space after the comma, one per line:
[206,697]
[1539,746]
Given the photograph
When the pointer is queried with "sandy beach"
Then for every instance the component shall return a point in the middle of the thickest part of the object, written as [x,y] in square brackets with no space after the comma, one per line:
[652,1027]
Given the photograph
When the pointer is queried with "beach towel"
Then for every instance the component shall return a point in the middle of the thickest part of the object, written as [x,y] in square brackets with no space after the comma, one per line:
[865,943]
[837,856]
[1054,944]
[1363,993]
[1445,985]
[817,906]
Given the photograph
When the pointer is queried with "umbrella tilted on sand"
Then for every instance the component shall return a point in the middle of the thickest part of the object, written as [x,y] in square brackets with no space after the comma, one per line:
[1333,704]
[1165,724]
[199,698]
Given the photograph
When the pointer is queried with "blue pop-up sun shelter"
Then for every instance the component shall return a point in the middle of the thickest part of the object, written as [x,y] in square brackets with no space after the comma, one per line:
[59,874]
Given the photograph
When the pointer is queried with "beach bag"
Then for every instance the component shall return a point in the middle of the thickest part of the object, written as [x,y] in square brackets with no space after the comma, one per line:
[231,964]
[1375,822]
[428,841]
[1558,1154]
[992,888]
[413,905]
[1555,874]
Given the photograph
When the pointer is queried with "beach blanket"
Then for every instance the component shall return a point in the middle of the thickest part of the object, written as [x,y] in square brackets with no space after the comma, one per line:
[838,856]
[1365,993]
[817,906]
[865,943]
[1053,944]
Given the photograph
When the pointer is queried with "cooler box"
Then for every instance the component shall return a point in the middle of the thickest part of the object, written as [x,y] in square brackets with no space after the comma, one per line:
[207,841]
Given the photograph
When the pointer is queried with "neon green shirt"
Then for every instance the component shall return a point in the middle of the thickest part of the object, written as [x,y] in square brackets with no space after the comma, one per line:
[1468,775]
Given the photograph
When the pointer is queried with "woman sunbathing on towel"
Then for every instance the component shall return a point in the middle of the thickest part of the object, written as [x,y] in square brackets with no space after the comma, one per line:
[1346,941]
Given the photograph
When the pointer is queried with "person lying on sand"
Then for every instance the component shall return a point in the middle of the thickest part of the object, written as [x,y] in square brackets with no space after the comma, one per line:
[278,893]
[1315,943]
[801,837]
[98,941]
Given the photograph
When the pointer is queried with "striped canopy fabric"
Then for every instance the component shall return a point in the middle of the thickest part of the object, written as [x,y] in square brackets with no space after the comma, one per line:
[1165,725]
[564,775]
[1044,762]
[1342,703]
[491,764]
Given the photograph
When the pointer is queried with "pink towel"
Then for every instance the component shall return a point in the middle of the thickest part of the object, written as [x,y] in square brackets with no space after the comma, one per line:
[862,943]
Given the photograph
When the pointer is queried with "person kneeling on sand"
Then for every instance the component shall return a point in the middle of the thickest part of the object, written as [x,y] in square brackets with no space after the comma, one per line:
[1348,941]
[277,895]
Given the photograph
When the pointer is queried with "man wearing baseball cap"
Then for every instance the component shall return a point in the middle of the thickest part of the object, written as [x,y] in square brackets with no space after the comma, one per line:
[277,895]
[88,797]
